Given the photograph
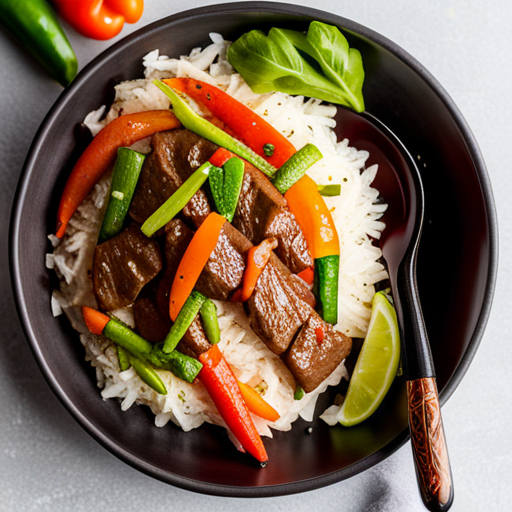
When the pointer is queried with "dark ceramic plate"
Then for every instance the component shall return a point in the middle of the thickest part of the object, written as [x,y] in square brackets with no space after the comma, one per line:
[457,261]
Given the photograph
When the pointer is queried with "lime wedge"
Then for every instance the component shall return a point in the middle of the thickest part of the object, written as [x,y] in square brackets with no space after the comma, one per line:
[376,365]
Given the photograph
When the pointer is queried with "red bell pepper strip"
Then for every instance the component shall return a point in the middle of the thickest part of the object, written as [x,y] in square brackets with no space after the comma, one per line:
[193,261]
[246,125]
[99,19]
[220,157]
[319,334]
[307,275]
[218,379]
[101,153]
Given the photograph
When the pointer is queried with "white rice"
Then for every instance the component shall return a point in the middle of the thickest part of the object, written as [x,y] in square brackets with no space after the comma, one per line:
[355,213]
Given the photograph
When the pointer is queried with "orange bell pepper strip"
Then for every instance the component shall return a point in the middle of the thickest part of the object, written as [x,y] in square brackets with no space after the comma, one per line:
[195,258]
[95,320]
[99,19]
[257,259]
[314,218]
[245,124]
[222,386]
[256,404]
[101,154]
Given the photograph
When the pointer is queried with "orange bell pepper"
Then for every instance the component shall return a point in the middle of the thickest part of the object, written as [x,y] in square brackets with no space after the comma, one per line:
[314,218]
[191,265]
[101,153]
[245,124]
[257,259]
[99,19]
[222,386]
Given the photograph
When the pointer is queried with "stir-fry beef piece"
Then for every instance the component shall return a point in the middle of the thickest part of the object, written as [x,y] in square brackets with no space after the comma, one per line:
[177,237]
[224,271]
[122,266]
[275,311]
[311,361]
[150,323]
[262,213]
[194,342]
[176,155]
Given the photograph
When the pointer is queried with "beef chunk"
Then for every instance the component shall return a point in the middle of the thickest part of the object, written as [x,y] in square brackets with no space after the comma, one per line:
[177,238]
[176,155]
[150,323]
[310,362]
[122,266]
[262,213]
[275,311]
[194,342]
[223,273]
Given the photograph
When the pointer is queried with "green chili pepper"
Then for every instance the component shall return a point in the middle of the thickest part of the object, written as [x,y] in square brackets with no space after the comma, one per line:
[177,201]
[226,184]
[210,320]
[197,124]
[325,287]
[124,180]
[148,374]
[34,24]
[184,319]
[295,167]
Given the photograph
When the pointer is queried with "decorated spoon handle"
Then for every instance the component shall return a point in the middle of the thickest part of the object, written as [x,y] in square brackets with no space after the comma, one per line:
[429,444]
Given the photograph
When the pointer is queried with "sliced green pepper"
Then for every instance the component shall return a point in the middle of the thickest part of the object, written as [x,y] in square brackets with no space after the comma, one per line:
[325,287]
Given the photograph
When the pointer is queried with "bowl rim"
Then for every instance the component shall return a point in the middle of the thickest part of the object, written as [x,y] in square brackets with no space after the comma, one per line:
[19,202]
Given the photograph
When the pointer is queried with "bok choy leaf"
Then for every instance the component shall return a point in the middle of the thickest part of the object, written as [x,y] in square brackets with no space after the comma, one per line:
[276,63]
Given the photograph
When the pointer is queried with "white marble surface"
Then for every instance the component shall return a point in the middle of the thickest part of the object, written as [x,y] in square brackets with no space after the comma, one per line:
[48,463]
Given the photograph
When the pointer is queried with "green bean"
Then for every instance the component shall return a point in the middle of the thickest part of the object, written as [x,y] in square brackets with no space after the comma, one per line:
[124,180]
[325,287]
[127,339]
[184,367]
[299,393]
[210,321]
[295,167]
[148,374]
[225,185]
[185,318]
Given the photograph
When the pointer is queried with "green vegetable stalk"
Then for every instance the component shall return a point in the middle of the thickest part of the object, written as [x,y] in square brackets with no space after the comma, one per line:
[210,321]
[197,124]
[148,374]
[325,287]
[34,24]
[275,63]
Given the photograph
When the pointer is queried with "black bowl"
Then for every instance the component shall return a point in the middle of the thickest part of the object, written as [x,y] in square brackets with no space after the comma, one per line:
[457,261]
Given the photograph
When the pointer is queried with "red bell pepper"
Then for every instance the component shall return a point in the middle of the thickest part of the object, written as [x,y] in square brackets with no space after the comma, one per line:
[246,125]
[218,379]
[99,19]
[101,153]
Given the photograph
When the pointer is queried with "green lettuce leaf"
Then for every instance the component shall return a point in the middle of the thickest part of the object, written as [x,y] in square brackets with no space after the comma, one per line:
[274,63]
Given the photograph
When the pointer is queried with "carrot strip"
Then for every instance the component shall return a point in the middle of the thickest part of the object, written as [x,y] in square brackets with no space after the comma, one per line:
[101,153]
[257,259]
[314,218]
[307,275]
[256,404]
[191,265]
[94,320]
[218,379]
[248,126]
